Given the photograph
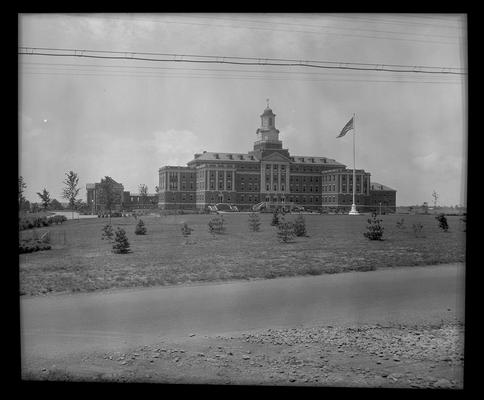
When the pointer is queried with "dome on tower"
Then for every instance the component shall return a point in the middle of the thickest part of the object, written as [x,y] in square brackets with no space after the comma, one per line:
[268,111]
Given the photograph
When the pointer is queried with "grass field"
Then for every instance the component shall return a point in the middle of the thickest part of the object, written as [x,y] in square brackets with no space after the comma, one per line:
[80,261]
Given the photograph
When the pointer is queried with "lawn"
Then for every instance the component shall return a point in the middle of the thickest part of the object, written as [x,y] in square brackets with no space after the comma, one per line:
[80,261]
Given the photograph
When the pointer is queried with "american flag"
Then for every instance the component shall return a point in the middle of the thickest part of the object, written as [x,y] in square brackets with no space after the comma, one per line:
[348,127]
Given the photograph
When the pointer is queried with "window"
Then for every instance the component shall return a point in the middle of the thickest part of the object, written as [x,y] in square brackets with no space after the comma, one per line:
[282,187]
[275,186]
[268,187]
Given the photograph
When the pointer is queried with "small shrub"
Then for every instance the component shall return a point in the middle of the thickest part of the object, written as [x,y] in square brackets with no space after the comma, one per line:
[121,243]
[418,230]
[401,224]
[140,228]
[31,245]
[186,232]
[374,230]
[107,233]
[275,218]
[254,222]
[56,219]
[285,231]
[216,225]
[442,222]
[300,226]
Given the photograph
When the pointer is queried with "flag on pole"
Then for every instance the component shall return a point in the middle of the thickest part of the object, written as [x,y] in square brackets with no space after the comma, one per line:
[348,127]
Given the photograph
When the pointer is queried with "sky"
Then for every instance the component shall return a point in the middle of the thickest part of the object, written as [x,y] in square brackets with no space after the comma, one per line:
[126,118]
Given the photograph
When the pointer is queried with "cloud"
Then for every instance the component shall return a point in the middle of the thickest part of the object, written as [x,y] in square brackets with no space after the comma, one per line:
[435,162]
[176,147]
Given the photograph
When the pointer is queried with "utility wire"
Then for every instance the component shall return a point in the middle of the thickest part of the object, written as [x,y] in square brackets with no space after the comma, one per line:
[320,26]
[165,21]
[97,67]
[207,76]
[232,60]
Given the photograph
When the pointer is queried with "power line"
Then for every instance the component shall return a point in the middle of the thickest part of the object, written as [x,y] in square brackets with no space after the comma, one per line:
[239,61]
[288,30]
[270,22]
[63,67]
[218,77]
[394,22]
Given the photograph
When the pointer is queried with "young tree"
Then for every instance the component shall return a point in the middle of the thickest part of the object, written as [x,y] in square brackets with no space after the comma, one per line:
[436,197]
[254,222]
[300,226]
[285,230]
[186,231]
[108,194]
[121,243]
[44,198]
[442,222]
[107,233]
[140,228]
[275,217]
[71,190]
[21,188]
[374,230]
[216,225]
[143,193]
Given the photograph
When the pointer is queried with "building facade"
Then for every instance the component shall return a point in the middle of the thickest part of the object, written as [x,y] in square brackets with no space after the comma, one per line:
[96,196]
[122,200]
[267,173]
[383,198]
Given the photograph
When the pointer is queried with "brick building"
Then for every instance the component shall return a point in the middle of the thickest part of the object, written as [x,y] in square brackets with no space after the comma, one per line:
[382,198]
[96,198]
[267,173]
[123,200]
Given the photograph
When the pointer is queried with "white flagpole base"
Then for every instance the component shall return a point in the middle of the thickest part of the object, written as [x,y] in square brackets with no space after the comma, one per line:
[353,210]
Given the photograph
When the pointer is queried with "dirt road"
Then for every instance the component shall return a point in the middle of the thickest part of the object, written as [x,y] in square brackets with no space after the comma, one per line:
[103,333]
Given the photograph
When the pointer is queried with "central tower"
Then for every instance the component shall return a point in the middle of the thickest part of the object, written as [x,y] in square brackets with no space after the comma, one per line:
[268,136]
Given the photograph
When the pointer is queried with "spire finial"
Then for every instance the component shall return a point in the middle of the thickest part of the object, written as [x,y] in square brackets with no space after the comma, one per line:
[267,100]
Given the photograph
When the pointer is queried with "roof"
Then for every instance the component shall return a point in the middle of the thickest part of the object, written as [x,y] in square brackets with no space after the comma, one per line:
[213,156]
[344,171]
[268,111]
[90,185]
[379,186]
[313,160]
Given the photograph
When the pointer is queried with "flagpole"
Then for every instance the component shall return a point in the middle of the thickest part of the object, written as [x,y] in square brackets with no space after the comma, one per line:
[353,210]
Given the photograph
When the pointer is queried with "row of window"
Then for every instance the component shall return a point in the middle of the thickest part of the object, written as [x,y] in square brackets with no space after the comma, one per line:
[304,179]
[295,188]
[275,186]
